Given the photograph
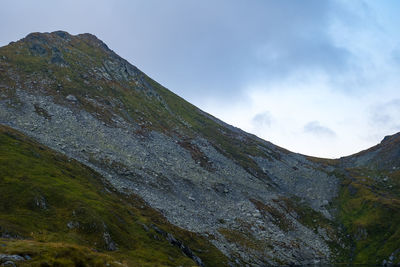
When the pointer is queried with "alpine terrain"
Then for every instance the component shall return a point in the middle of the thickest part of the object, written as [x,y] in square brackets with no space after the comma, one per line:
[103,166]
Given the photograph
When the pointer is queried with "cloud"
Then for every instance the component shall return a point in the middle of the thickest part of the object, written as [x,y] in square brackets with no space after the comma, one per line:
[314,127]
[386,115]
[262,120]
[212,48]
[396,55]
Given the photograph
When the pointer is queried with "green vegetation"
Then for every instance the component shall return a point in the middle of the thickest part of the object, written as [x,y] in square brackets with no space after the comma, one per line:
[57,254]
[369,204]
[58,211]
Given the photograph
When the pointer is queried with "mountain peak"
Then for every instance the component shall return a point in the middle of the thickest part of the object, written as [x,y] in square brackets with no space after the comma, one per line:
[62,37]
[391,139]
[45,37]
[385,155]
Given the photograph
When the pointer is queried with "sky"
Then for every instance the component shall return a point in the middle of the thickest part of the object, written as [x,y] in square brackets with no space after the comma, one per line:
[316,77]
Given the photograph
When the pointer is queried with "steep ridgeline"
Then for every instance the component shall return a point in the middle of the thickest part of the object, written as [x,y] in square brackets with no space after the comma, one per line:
[255,202]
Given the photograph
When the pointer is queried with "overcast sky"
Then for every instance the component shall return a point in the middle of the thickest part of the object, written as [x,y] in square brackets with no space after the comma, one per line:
[316,77]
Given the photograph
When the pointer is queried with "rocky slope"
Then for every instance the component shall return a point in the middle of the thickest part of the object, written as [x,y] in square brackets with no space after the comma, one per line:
[55,211]
[257,203]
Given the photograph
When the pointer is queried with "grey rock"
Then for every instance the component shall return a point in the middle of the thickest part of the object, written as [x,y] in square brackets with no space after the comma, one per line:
[72,224]
[308,182]
[58,58]
[40,202]
[110,244]
[27,257]
[5,257]
[64,35]
[71,98]
[9,263]
[38,50]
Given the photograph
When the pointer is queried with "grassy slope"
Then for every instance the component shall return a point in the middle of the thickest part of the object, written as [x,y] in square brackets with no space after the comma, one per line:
[370,212]
[31,174]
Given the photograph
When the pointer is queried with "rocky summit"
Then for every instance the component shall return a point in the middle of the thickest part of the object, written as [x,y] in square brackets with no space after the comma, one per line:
[103,166]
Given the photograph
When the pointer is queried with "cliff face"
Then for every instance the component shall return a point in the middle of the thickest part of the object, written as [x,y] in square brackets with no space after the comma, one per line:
[256,202]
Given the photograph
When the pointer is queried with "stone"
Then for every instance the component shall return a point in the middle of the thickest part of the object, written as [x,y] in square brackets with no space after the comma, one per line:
[63,34]
[40,202]
[110,245]
[57,57]
[38,50]
[71,98]
[5,257]
[27,257]
[72,224]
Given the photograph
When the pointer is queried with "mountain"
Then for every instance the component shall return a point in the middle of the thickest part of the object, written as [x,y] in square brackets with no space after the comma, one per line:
[165,183]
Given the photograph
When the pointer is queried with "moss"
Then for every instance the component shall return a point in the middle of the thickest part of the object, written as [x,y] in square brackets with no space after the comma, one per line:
[42,191]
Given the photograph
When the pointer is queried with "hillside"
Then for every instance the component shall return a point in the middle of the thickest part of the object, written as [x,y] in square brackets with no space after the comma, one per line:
[57,211]
[256,203]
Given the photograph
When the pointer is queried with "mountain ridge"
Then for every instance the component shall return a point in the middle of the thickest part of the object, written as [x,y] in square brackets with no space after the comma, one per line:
[259,204]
